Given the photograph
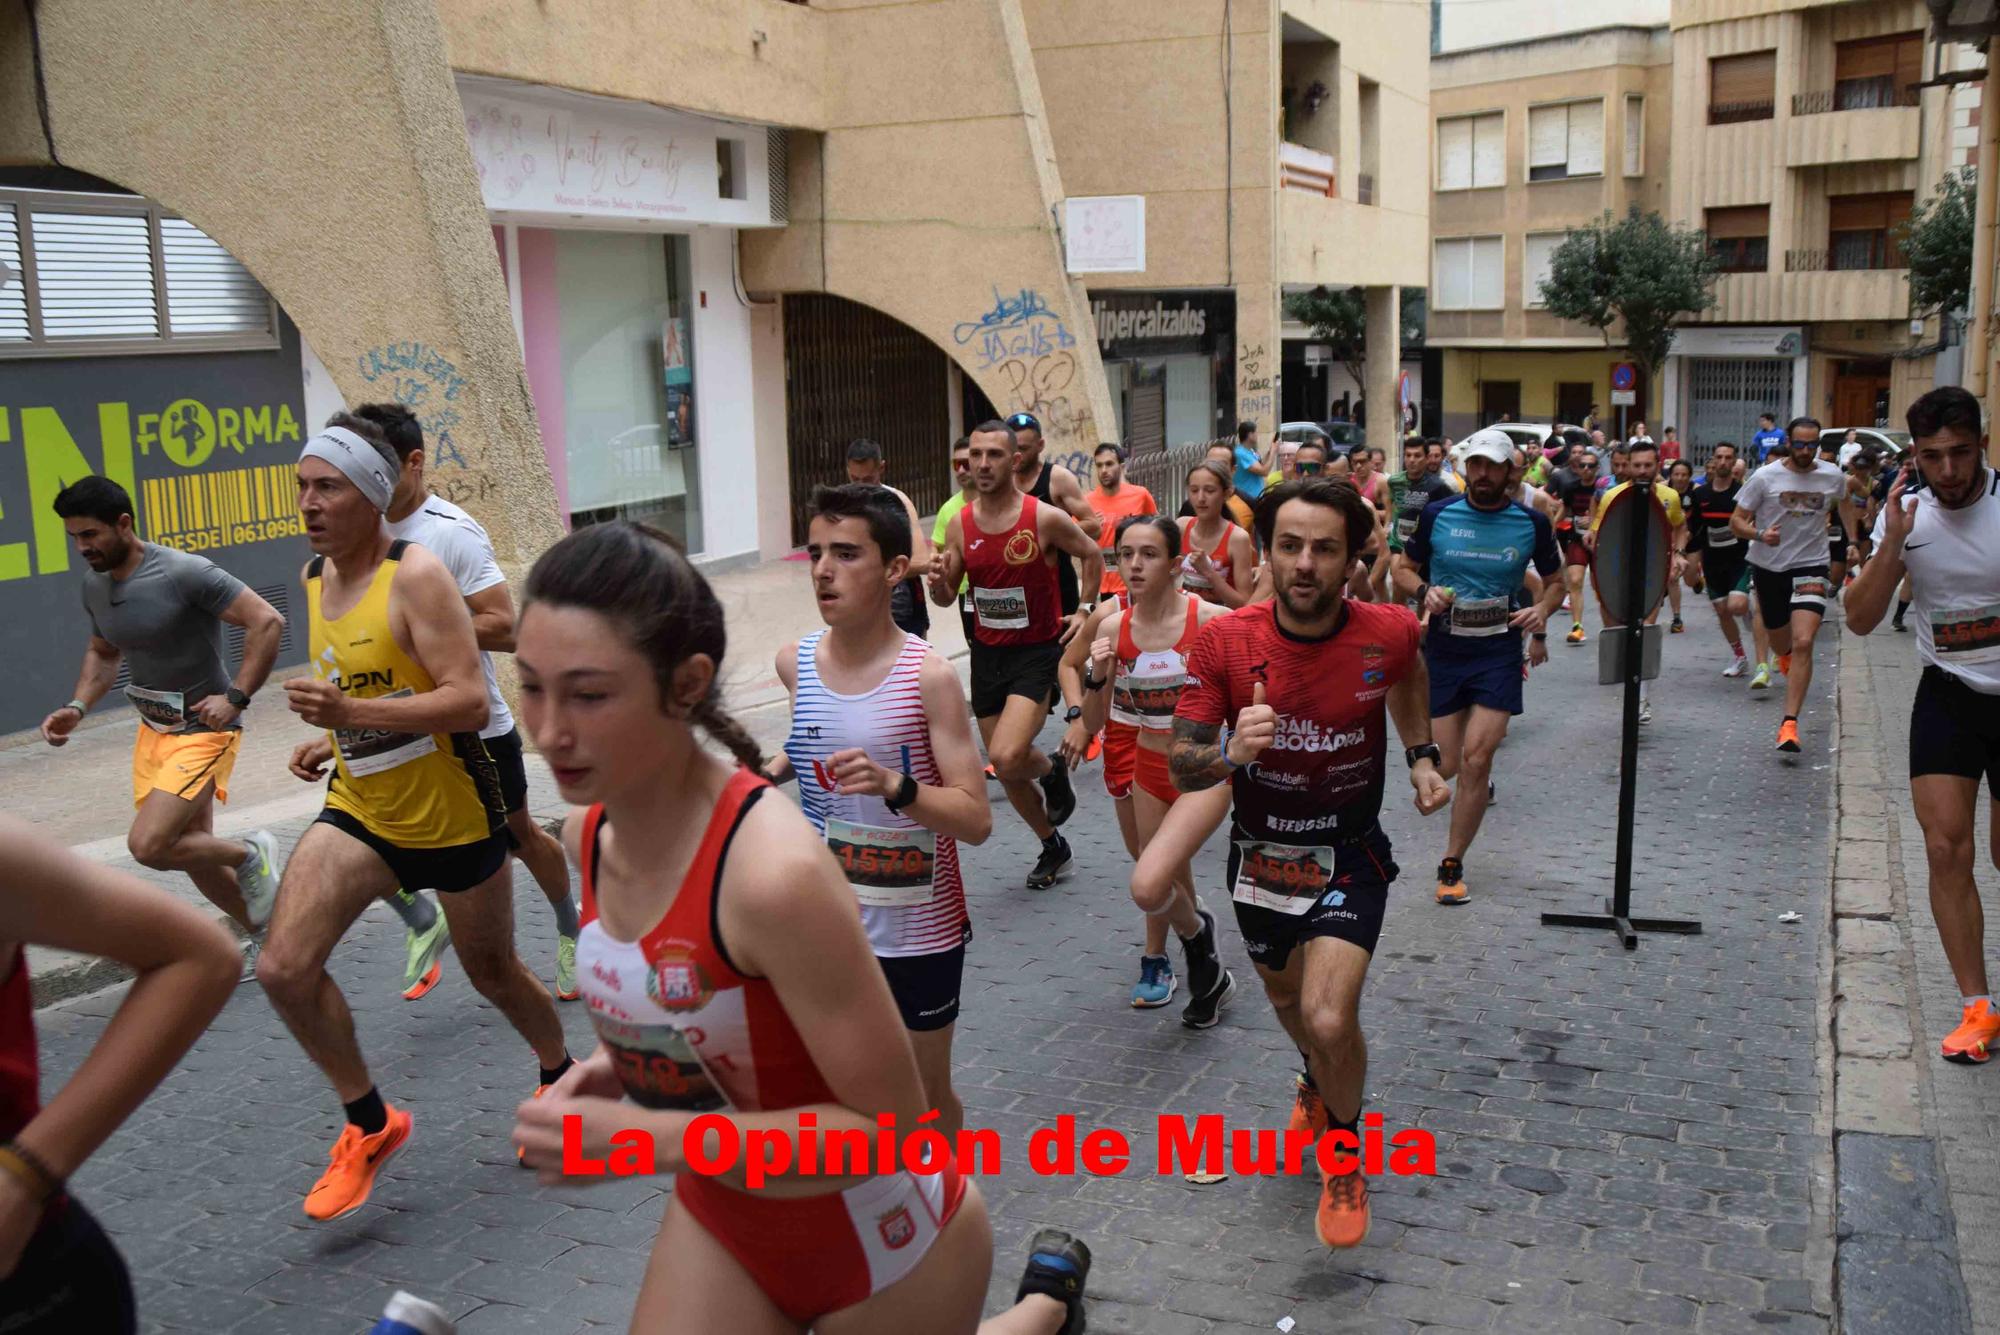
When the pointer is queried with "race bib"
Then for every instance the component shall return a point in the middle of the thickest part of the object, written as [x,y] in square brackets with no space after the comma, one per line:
[1479,616]
[162,711]
[1001,609]
[1967,634]
[887,869]
[1110,555]
[1721,535]
[1192,580]
[1285,878]
[660,1069]
[1810,588]
[373,750]
[1405,526]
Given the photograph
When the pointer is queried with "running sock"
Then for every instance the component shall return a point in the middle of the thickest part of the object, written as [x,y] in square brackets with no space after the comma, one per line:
[1053,842]
[1791,718]
[368,1112]
[1736,647]
[1902,606]
[552,1074]
[418,914]
[566,920]
[1306,1072]
[1986,997]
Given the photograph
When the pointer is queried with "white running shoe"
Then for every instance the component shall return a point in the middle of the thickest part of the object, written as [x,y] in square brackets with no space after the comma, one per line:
[1738,668]
[257,877]
[1645,711]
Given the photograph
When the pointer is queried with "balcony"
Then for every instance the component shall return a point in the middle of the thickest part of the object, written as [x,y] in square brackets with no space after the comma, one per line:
[1802,294]
[1735,113]
[1308,169]
[1860,120]
[1861,258]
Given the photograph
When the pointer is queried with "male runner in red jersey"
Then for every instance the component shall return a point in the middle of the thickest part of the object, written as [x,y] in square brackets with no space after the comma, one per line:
[1285,701]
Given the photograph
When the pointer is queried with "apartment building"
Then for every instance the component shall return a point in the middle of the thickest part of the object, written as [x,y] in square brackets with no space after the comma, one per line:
[1530,140]
[1802,139]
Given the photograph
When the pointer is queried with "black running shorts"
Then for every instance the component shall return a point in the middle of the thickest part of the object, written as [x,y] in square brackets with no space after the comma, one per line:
[926,986]
[1783,592]
[1954,730]
[1722,570]
[1347,905]
[446,870]
[513,770]
[1027,670]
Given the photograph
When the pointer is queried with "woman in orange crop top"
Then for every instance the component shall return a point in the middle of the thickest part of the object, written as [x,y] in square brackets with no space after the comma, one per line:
[727,973]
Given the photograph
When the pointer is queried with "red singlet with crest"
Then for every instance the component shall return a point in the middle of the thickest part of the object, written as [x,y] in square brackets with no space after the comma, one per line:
[1015,596]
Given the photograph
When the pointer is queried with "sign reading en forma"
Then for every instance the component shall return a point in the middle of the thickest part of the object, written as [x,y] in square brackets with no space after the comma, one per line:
[206,443]
[563,159]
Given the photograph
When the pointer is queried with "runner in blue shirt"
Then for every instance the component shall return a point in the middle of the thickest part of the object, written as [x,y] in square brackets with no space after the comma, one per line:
[1768,438]
[1466,561]
[1251,463]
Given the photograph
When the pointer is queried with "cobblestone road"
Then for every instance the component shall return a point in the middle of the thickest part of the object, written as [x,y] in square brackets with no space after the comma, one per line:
[1626,1141]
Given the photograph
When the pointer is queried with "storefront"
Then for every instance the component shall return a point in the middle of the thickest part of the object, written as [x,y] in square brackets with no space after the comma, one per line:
[134,347]
[616,228]
[1719,380]
[1170,357]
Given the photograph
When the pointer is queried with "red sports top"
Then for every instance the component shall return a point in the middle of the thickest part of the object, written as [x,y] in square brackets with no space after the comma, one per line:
[1194,583]
[1015,596]
[20,1096]
[1323,772]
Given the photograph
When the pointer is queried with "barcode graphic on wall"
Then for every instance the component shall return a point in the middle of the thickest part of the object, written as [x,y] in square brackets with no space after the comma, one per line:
[222,508]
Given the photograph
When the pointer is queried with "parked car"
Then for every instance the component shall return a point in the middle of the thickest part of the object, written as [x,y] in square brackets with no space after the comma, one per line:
[1894,444]
[1523,433]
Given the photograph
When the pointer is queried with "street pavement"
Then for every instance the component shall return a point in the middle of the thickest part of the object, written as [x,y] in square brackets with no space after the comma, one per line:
[1625,1141]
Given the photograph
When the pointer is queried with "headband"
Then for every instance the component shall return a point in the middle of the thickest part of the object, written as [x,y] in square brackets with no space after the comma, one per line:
[359,461]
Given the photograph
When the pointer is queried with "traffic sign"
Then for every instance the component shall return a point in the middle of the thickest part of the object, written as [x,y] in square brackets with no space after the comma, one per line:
[1621,542]
[1624,376]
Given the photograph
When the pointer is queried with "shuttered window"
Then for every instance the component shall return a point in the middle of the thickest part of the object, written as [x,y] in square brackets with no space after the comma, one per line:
[1472,152]
[1740,238]
[1861,230]
[1742,88]
[1878,71]
[13,282]
[1635,135]
[1470,273]
[113,273]
[1566,140]
[1539,250]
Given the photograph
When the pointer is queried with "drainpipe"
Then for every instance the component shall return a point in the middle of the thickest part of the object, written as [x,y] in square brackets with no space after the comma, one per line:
[1979,340]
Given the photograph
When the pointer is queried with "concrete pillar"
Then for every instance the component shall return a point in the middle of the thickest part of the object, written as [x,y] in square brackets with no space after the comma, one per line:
[1258,354]
[1385,365]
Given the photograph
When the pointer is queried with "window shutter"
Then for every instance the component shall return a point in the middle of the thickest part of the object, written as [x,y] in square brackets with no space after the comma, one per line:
[1586,138]
[14,283]
[1872,58]
[1489,269]
[94,272]
[1857,213]
[1489,151]
[1454,285]
[1541,249]
[1548,136]
[1635,135]
[208,292]
[1909,60]
[1733,224]
[1455,154]
[1746,78]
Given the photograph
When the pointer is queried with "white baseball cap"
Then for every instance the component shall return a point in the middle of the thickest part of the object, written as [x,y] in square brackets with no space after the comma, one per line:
[1491,443]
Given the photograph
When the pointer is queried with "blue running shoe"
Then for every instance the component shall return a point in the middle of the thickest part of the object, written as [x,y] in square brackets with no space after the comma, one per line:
[1156,982]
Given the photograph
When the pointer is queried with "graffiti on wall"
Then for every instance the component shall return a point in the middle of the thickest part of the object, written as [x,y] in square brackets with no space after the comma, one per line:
[1256,390]
[1022,341]
[428,383]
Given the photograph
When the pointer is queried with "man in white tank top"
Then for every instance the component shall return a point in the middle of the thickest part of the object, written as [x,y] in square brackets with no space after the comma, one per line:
[887,768]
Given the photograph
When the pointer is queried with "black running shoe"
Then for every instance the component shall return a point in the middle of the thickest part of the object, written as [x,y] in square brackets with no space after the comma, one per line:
[1203,1011]
[1057,791]
[1204,962]
[1053,862]
[1897,624]
[1058,1265]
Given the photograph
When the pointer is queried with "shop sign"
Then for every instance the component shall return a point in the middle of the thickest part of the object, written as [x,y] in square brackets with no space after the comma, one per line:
[1742,341]
[1136,324]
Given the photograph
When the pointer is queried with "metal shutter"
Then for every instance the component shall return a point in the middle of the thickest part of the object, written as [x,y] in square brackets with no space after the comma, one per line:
[1635,135]
[1489,150]
[1548,136]
[1455,154]
[1489,270]
[94,272]
[1586,138]
[1541,249]
[1454,276]
[208,292]
[1736,80]
[13,281]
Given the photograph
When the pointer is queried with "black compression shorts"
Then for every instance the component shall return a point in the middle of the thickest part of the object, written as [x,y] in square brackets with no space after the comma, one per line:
[1954,730]
[1348,904]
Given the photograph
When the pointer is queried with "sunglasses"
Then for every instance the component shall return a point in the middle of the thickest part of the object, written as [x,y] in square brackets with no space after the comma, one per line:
[1310,468]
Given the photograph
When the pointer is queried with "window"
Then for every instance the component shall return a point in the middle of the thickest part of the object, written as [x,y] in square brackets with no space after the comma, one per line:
[1539,251]
[1742,88]
[1861,230]
[1472,152]
[1566,140]
[1878,72]
[1371,141]
[1635,135]
[1740,238]
[1470,273]
[730,174]
[83,273]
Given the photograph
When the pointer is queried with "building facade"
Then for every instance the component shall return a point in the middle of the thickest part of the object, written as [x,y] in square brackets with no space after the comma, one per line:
[1531,139]
[1803,136]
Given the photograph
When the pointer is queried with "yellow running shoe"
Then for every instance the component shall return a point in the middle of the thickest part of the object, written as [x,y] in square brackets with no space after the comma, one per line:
[1575,635]
[1976,1036]
[356,1158]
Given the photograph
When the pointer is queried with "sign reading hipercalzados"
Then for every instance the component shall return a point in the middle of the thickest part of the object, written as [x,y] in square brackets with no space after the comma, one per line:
[1136,323]
[207,445]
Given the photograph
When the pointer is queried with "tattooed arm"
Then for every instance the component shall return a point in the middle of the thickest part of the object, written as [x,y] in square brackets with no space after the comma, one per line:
[1195,758]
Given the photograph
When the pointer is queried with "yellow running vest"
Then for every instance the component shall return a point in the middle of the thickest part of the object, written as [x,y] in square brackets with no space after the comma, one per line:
[415,790]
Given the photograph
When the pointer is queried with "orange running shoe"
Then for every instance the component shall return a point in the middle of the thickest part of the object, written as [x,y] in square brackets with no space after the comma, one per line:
[1342,1220]
[521,1155]
[1978,1033]
[424,984]
[1451,882]
[1788,736]
[1095,749]
[1785,664]
[356,1158]
[1308,1111]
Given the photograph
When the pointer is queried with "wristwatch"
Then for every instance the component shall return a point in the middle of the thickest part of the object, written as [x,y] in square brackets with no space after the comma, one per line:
[1428,751]
[236,698]
[1091,683]
[1073,713]
[904,795]
[82,709]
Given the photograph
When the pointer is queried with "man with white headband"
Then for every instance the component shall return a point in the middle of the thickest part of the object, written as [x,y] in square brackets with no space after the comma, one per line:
[414,799]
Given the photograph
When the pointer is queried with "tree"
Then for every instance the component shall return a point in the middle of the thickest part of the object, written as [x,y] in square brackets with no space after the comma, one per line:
[1639,270]
[1339,317]
[1937,243]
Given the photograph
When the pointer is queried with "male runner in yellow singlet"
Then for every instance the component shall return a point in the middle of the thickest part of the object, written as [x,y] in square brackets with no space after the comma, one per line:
[413,801]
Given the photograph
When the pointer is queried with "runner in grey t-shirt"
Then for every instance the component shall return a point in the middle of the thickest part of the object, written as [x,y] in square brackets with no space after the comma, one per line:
[162,611]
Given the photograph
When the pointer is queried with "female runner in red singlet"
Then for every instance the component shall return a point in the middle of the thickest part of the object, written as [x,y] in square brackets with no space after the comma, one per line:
[59,1274]
[1220,561]
[727,971]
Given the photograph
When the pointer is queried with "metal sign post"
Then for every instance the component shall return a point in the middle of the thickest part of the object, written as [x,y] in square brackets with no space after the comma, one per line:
[1633,550]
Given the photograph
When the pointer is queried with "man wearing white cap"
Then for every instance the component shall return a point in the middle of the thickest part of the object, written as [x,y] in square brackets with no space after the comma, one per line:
[1466,564]
[414,799]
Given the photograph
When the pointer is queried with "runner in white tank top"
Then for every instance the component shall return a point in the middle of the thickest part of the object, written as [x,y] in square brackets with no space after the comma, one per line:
[881,744]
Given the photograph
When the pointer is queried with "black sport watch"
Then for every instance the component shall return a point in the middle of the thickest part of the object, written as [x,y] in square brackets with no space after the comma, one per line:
[1428,751]
[1073,713]
[236,698]
[903,796]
